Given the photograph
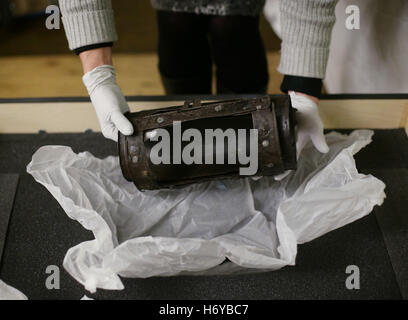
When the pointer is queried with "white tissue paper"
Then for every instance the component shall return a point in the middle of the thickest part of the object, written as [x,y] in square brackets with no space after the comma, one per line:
[9,293]
[256,224]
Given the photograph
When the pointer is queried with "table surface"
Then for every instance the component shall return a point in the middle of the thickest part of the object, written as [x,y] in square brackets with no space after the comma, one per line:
[35,232]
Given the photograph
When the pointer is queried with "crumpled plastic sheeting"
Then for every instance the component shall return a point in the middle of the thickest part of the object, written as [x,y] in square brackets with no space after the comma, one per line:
[256,224]
[9,293]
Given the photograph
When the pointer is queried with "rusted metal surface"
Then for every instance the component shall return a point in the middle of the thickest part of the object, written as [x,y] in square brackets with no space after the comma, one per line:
[272,116]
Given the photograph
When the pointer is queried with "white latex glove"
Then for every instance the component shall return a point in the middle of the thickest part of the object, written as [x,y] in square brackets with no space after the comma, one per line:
[108,101]
[309,127]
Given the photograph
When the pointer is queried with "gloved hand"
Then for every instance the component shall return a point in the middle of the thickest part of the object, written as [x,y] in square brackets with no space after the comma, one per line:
[309,126]
[108,101]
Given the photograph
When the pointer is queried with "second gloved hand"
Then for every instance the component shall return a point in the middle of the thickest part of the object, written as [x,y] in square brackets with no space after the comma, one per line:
[108,101]
[309,126]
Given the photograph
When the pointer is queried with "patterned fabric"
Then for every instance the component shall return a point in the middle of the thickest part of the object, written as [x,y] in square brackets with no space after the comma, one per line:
[214,7]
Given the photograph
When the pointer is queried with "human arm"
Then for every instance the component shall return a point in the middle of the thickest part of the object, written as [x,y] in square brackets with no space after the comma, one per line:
[306,32]
[90,30]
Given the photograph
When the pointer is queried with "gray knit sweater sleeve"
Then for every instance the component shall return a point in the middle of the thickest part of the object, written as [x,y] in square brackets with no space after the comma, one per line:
[306,32]
[88,22]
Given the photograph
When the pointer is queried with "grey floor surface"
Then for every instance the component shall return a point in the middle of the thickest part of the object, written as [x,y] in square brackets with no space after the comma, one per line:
[35,232]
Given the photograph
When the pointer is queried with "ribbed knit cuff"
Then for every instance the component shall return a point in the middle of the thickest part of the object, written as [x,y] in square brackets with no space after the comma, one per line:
[306,32]
[305,62]
[88,22]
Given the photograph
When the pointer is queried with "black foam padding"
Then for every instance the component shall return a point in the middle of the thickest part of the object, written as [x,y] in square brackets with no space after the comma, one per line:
[392,218]
[17,149]
[389,149]
[40,234]
[8,187]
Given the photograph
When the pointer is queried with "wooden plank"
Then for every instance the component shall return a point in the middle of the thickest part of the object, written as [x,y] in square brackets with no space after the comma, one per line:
[80,116]
[379,114]
[60,75]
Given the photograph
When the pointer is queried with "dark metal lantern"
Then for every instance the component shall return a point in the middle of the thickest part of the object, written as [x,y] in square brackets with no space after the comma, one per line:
[273,116]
